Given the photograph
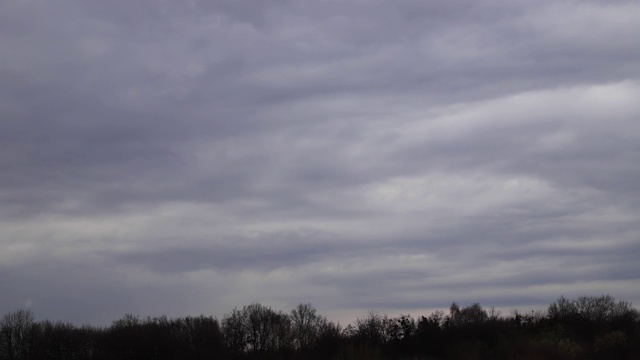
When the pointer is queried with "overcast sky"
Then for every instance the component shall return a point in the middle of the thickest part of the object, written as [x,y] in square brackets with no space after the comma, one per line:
[186,157]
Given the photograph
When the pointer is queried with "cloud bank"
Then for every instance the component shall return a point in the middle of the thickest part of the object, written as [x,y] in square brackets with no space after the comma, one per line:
[187,157]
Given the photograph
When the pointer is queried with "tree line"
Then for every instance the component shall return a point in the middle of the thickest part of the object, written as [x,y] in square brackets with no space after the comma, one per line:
[584,328]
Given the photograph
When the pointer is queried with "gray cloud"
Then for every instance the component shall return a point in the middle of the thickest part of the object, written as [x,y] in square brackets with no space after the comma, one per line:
[188,157]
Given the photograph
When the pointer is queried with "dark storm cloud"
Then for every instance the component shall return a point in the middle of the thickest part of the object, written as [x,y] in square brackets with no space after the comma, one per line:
[176,157]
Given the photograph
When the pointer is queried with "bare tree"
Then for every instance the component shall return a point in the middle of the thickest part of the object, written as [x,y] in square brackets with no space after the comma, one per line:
[599,309]
[256,328]
[563,308]
[306,326]
[374,328]
[234,331]
[15,331]
[268,330]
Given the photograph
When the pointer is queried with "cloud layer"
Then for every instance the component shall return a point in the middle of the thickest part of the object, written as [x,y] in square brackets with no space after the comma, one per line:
[188,157]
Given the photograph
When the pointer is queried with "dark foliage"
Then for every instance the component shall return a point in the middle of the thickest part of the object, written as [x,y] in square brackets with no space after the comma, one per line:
[585,328]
